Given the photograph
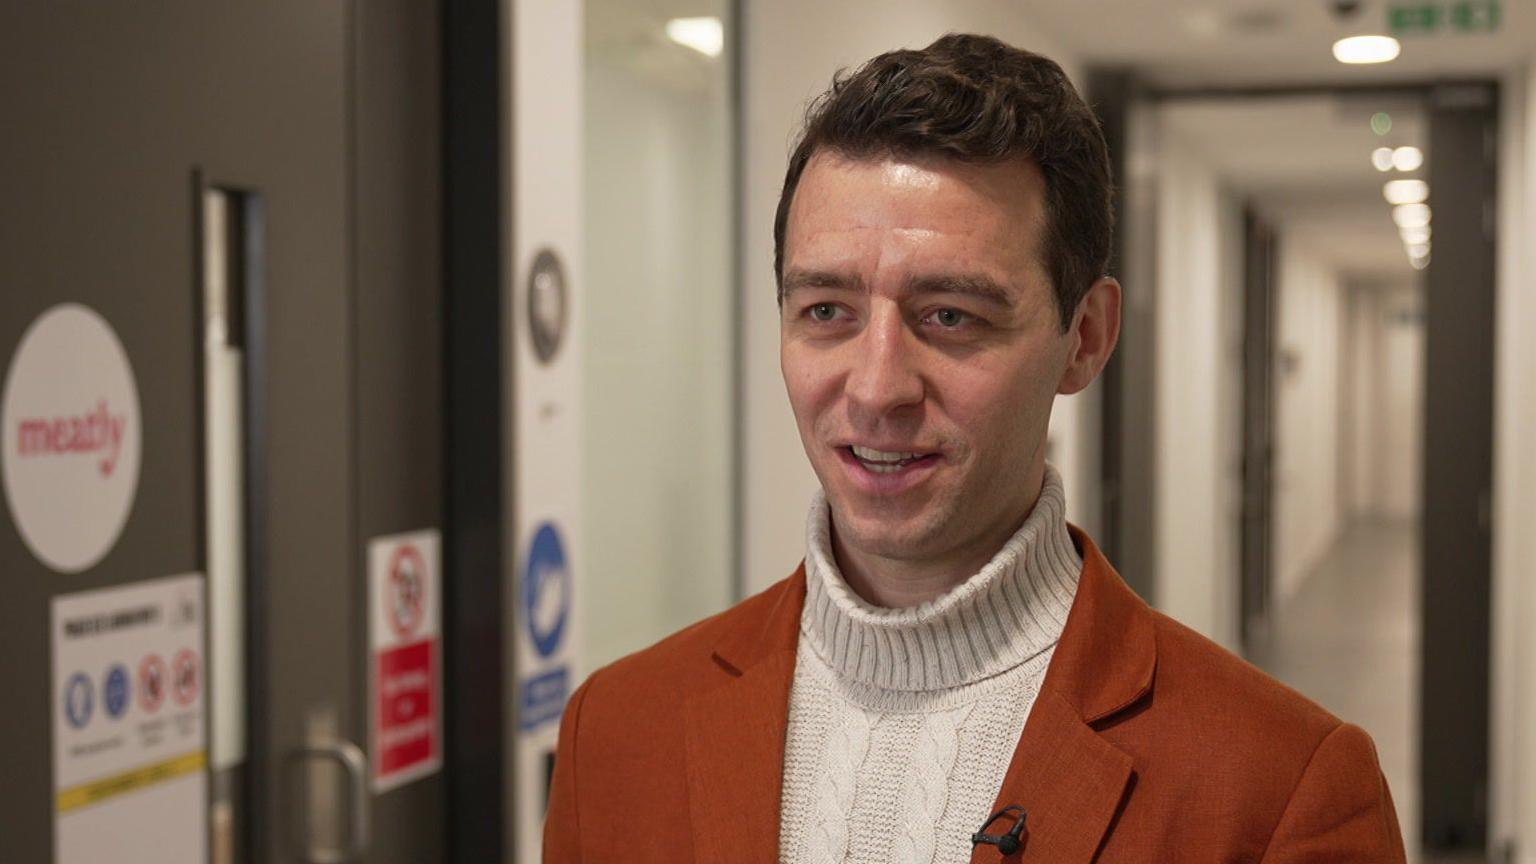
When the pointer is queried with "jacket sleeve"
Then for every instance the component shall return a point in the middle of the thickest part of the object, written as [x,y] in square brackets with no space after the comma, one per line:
[562,822]
[1341,810]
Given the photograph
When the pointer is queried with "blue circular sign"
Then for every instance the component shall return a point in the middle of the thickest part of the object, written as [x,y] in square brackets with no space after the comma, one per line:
[79,699]
[114,691]
[546,590]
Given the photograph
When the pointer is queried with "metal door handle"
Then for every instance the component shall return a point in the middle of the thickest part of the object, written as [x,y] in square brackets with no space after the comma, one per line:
[351,759]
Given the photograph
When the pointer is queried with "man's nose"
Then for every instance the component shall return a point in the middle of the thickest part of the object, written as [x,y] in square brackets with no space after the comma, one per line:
[885,376]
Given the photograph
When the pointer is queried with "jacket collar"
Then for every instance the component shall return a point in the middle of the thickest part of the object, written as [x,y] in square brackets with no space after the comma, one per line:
[1068,778]
[734,733]
[1107,655]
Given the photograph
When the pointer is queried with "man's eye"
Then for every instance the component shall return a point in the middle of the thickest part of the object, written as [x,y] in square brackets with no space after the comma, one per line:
[823,311]
[949,317]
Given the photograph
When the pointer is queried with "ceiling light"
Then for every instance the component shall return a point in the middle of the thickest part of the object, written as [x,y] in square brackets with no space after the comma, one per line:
[1405,191]
[1381,157]
[704,35]
[1366,49]
[1411,215]
[1418,250]
[1414,235]
[1407,158]
[1419,263]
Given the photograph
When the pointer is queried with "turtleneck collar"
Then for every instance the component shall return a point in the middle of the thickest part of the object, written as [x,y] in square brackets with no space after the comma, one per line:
[1006,613]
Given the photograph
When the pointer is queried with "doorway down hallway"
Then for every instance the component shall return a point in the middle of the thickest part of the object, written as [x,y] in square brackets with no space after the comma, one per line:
[1349,640]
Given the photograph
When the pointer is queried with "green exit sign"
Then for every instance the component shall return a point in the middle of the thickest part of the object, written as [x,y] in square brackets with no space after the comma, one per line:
[1463,16]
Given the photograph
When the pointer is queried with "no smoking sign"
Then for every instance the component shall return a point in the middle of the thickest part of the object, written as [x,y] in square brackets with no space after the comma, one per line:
[407,591]
[405,623]
[151,683]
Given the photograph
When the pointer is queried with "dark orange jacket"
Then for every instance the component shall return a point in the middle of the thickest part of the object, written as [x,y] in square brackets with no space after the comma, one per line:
[1147,743]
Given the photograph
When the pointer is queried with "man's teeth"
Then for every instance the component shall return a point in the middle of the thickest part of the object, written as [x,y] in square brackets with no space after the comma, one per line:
[882,462]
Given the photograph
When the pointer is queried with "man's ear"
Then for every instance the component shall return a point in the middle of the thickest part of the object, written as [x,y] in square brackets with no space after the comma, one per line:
[1095,331]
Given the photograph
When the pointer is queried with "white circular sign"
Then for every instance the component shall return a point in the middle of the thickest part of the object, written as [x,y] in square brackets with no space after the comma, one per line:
[71,435]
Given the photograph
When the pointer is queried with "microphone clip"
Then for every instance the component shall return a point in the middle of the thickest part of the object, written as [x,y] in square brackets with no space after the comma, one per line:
[1008,843]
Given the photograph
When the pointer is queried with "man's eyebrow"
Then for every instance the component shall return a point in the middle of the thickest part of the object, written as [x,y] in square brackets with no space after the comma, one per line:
[979,287]
[798,279]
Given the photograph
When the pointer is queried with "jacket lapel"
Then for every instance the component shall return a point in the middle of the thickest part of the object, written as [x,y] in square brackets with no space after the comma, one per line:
[1063,773]
[1069,780]
[734,737]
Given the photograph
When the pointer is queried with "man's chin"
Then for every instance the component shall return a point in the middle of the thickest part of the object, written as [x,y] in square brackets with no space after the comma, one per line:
[894,535]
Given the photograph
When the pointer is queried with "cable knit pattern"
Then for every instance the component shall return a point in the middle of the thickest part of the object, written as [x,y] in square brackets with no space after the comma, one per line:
[902,721]
[927,787]
[847,749]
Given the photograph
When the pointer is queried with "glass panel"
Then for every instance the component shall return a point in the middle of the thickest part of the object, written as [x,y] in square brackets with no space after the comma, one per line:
[658,321]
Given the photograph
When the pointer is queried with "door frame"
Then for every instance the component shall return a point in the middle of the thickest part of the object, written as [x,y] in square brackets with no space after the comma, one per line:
[475,227]
[1455,816]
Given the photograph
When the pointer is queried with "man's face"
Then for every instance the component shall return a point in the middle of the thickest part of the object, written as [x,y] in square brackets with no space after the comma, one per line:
[921,346]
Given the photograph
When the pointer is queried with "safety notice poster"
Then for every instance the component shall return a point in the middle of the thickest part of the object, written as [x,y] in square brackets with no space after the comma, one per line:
[405,624]
[129,728]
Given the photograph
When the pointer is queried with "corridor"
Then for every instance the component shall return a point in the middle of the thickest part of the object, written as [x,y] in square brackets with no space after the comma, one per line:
[1349,639]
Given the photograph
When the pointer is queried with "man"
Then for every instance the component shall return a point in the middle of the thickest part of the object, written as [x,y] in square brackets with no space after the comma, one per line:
[950,647]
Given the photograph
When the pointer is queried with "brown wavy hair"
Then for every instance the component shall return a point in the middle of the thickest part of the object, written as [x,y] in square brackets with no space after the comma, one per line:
[974,99]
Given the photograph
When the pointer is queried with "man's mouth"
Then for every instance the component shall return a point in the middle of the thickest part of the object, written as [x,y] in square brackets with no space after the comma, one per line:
[887,461]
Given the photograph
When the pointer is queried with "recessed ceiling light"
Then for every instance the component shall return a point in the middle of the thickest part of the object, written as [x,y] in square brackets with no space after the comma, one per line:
[1418,250]
[1381,157]
[1419,263]
[1411,215]
[704,35]
[1405,191]
[1412,236]
[1407,158]
[1366,49]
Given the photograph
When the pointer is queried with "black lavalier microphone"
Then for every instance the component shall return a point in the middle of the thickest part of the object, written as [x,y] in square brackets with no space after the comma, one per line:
[1006,843]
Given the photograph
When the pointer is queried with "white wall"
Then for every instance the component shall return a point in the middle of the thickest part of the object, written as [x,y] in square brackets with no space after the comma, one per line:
[656,435]
[1310,302]
[1400,458]
[1383,401]
[792,49]
[1197,403]
[1514,511]
[1359,403]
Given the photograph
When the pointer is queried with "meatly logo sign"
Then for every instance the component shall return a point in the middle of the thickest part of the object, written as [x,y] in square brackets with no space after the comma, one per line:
[99,431]
[70,424]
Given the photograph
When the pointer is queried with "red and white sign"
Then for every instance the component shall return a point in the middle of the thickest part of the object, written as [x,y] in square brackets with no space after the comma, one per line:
[70,437]
[405,624]
[151,683]
[186,678]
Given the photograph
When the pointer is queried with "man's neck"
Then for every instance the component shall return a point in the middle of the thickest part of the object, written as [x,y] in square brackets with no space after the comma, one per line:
[897,583]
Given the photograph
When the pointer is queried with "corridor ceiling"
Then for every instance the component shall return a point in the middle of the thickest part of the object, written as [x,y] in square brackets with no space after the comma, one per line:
[1264,42]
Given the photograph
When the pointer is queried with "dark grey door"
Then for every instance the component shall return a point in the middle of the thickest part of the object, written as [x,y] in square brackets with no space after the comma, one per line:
[319,121]
[1258,423]
[1458,470]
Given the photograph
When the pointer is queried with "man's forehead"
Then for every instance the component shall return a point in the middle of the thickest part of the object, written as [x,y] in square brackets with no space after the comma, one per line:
[918,194]
[849,208]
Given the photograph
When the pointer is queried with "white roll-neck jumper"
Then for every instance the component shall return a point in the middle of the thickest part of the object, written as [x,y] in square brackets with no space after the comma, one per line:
[902,722]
